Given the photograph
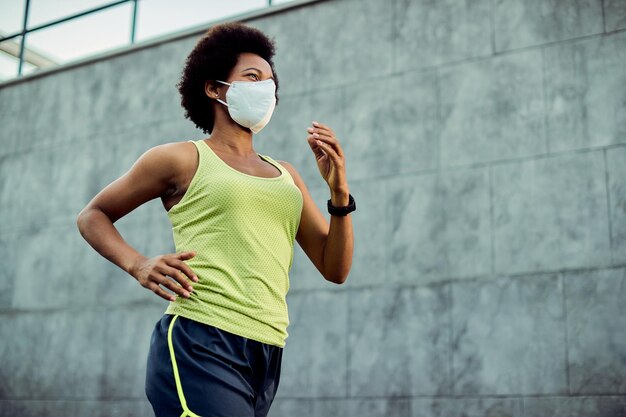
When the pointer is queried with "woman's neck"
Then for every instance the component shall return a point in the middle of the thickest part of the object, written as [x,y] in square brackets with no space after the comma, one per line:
[233,138]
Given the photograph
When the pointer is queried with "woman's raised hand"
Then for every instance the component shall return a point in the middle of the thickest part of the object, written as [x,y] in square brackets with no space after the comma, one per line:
[151,273]
[329,156]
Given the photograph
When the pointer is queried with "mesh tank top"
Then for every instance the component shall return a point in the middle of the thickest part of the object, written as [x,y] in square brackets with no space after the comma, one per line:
[242,228]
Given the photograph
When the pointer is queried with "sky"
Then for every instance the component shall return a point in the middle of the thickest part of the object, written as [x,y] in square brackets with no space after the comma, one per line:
[107,29]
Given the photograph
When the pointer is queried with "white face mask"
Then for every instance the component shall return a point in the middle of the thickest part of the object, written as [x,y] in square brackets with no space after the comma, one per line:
[250,103]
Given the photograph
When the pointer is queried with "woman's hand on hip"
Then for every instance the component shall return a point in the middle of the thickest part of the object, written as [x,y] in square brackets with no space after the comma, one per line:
[151,273]
[329,156]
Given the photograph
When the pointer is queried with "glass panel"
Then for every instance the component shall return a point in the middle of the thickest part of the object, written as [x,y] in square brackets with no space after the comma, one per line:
[8,62]
[84,36]
[27,68]
[274,2]
[45,11]
[11,16]
[159,17]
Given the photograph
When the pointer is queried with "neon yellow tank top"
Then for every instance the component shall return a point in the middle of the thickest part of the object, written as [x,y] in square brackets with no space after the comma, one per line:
[242,228]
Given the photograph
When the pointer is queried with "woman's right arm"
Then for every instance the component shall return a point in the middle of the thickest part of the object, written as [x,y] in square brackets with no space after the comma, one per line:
[151,176]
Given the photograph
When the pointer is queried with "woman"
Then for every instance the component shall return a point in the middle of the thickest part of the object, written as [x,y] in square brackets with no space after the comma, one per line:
[235,214]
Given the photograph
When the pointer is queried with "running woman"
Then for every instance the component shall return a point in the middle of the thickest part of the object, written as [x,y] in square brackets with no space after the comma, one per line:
[235,214]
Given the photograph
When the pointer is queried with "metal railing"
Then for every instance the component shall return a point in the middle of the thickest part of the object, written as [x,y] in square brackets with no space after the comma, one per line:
[25,30]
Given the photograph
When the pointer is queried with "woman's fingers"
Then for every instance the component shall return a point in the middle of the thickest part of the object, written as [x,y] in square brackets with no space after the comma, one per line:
[321,130]
[184,288]
[328,153]
[175,288]
[177,263]
[317,150]
[326,143]
[161,292]
[331,141]
[184,255]
[154,272]
[327,136]
[329,150]
[159,276]
[322,126]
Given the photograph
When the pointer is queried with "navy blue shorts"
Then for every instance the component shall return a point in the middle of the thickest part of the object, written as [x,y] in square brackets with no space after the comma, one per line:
[194,369]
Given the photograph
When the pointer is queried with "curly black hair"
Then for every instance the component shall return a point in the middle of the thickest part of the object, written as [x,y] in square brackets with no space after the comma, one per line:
[213,57]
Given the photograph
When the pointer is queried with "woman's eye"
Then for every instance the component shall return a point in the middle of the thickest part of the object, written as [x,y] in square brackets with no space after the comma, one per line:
[253,75]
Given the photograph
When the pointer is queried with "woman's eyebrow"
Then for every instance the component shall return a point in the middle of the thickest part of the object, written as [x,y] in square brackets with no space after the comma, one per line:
[256,69]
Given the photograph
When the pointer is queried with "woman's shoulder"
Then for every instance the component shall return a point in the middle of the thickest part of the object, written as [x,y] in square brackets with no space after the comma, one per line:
[293,171]
[173,151]
[171,156]
[285,164]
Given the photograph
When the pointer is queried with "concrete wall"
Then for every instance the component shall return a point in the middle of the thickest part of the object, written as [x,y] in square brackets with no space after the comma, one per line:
[486,149]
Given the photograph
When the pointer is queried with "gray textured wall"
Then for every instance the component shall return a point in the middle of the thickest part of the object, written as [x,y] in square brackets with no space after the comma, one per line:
[486,148]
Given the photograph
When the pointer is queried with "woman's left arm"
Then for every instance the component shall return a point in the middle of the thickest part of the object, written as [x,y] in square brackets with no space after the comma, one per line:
[329,247]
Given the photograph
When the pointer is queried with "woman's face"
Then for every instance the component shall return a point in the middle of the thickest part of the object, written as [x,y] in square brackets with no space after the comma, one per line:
[249,68]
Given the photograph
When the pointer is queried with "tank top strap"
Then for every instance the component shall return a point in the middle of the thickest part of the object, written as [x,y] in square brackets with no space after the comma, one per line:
[203,152]
[209,161]
[272,161]
[285,172]
[204,161]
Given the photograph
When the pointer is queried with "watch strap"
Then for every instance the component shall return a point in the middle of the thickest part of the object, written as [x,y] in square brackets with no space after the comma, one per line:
[342,211]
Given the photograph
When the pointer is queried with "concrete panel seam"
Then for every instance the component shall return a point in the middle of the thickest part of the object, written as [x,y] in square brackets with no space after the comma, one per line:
[477,279]
[492,223]
[450,342]
[386,232]
[25,229]
[455,397]
[544,90]
[566,324]
[493,26]
[394,46]
[81,308]
[485,164]
[347,336]
[439,113]
[116,136]
[567,152]
[608,203]
[560,42]
[603,16]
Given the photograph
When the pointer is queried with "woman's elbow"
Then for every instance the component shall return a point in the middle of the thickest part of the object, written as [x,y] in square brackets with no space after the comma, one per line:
[80,219]
[84,218]
[336,278]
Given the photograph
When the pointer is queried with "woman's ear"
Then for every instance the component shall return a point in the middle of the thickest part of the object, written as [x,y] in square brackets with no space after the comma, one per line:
[210,89]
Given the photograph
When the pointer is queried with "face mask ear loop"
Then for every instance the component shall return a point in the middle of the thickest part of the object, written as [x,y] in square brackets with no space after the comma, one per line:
[223,102]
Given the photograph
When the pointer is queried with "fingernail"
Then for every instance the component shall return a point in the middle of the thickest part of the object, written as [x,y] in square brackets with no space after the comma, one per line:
[195,278]
[315,123]
[173,298]
[185,293]
[315,135]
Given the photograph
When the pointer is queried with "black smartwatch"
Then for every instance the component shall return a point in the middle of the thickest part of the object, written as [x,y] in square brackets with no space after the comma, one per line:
[342,211]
